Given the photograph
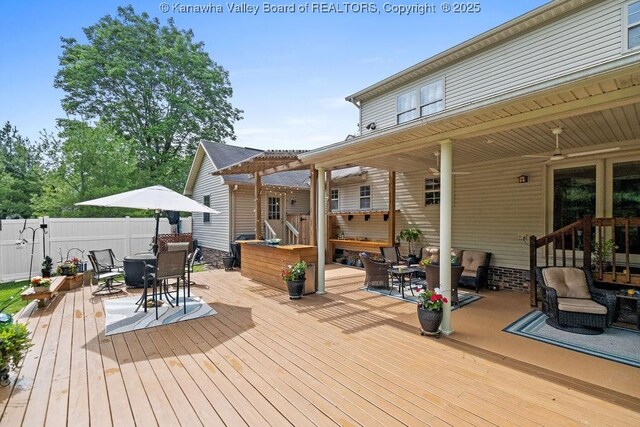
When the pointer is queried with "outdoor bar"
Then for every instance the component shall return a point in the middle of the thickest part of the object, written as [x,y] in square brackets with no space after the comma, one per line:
[263,262]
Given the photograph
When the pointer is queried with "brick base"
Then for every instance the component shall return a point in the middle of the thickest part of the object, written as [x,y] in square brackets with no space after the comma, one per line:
[509,278]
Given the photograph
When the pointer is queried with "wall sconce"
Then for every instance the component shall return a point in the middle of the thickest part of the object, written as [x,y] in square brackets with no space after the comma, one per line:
[293,202]
[523,179]
[371,126]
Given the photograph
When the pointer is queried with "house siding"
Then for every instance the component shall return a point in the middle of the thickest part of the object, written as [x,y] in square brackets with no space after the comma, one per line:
[542,54]
[215,234]
[243,212]
[490,210]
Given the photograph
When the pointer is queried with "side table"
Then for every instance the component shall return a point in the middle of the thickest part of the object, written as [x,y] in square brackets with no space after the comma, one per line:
[633,299]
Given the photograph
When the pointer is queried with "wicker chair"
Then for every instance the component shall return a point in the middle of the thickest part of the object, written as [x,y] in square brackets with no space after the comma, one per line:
[391,255]
[571,301]
[376,272]
[432,277]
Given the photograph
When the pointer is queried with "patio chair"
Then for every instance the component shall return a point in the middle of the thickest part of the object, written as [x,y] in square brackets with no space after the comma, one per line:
[376,272]
[169,265]
[391,255]
[191,259]
[107,260]
[432,277]
[100,274]
[571,301]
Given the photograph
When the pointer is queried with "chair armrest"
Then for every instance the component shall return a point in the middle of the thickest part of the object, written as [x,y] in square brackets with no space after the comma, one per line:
[608,299]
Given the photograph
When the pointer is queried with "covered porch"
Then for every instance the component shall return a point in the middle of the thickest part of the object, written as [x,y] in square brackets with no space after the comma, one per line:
[346,358]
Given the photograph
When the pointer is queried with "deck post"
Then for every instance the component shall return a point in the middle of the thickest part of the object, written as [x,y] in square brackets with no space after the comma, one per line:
[446,203]
[313,206]
[391,230]
[322,230]
[258,200]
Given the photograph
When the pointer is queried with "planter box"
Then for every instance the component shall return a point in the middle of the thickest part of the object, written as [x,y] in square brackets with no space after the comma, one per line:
[71,282]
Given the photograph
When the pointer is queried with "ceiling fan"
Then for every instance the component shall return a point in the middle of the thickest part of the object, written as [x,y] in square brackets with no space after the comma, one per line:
[436,170]
[557,154]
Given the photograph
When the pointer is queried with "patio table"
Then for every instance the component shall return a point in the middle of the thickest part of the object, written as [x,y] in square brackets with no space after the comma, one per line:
[402,272]
[134,268]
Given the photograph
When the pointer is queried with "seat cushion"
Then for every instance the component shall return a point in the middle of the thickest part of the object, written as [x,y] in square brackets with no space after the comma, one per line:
[471,260]
[581,305]
[469,273]
[569,282]
[432,253]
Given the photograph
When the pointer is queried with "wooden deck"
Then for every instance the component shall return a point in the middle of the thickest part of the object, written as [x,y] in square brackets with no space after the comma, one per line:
[347,358]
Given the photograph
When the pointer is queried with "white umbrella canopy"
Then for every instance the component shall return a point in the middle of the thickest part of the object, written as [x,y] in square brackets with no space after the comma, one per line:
[153,198]
[156,198]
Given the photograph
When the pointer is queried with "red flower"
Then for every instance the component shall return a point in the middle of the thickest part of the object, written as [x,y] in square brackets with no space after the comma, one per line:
[434,298]
[444,300]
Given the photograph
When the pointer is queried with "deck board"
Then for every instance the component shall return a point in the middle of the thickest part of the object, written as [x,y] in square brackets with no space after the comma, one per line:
[346,358]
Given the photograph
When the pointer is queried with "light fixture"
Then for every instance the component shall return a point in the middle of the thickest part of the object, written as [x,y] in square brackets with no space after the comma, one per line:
[371,126]
[523,179]
[293,202]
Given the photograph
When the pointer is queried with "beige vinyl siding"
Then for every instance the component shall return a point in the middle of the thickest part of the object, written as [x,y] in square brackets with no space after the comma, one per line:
[215,234]
[243,212]
[491,209]
[587,37]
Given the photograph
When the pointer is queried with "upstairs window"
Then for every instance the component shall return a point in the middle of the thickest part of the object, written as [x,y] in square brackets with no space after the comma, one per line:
[431,191]
[407,107]
[365,197]
[206,217]
[335,199]
[432,98]
[633,25]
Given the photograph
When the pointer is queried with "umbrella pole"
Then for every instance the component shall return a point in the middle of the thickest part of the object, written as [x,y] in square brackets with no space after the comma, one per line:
[155,241]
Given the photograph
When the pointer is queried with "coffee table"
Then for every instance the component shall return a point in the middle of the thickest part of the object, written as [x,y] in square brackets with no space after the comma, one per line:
[635,298]
[402,273]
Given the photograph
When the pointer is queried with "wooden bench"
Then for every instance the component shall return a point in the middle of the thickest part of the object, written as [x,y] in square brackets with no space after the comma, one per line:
[44,297]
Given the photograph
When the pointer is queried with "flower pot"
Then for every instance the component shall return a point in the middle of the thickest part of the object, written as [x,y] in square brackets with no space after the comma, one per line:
[228,261]
[4,376]
[295,288]
[67,271]
[429,320]
[40,289]
[45,273]
[412,259]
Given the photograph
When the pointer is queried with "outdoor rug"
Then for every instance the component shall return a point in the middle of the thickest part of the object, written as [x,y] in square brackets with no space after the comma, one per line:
[464,298]
[121,316]
[617,344]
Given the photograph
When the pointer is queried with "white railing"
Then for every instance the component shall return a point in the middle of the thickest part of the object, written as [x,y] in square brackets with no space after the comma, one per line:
[293,236]
[269,232]
[126,236]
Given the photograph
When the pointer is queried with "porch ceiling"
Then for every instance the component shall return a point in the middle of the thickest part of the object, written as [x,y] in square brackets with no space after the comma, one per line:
[595,112]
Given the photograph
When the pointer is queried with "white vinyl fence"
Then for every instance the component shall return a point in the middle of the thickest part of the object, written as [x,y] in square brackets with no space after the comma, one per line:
[67,237]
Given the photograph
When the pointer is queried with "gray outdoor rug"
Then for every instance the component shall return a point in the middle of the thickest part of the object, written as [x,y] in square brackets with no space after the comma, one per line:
[121,316]
[617,344]
[464,298]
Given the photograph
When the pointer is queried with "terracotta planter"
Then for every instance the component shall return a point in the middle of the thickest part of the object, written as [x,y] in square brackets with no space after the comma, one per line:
[295,288]
[429,320]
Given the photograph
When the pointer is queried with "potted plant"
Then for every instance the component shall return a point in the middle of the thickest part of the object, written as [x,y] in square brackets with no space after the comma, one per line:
[228,260]
[294,276]
[67,268]
[47,265]
[430,304]
[601,251]
[14,343]
[411,235]
[40,284]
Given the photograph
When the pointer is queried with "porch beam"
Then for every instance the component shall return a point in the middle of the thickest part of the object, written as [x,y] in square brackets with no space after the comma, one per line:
[591,104]
[258,203]
[391,226]
[446,203]
[322,230]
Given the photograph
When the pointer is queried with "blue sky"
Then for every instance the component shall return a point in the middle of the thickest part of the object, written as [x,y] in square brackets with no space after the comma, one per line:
[290,72]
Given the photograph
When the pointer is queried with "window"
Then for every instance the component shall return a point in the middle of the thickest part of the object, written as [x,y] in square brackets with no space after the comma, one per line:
[626,202]
[574,196]
[365,197]
[273,207]
[633,25]
[335,199]
[431,191]
[206,217]
[407,107]
[432,98]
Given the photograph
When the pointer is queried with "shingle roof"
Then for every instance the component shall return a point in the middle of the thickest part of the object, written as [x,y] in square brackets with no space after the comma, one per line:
[224,155]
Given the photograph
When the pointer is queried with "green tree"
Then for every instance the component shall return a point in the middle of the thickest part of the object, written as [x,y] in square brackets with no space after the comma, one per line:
[21,176]
[91,162]
[153,84]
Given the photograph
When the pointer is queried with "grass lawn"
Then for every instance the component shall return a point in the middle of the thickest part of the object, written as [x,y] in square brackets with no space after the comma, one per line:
[10,301]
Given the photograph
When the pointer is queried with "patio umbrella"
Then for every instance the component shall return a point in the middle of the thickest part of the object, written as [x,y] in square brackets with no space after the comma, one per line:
[156,198]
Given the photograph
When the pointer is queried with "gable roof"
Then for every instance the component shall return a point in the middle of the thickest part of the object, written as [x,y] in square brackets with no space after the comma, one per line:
[225,155]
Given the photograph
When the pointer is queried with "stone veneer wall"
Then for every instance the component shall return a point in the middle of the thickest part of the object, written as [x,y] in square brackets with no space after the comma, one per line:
[213,257]
[509,278]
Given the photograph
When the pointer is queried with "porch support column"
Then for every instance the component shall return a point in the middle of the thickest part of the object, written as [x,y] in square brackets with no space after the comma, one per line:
[322,230]
[446,203]
[313,205]
[258,200]
[391,226]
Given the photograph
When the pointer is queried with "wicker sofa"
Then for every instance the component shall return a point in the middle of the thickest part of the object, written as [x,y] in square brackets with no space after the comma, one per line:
[572,303]
[476,265]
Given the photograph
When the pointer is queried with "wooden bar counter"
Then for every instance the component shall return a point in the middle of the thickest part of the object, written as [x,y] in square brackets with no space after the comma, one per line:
[356,245]
[264,263]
